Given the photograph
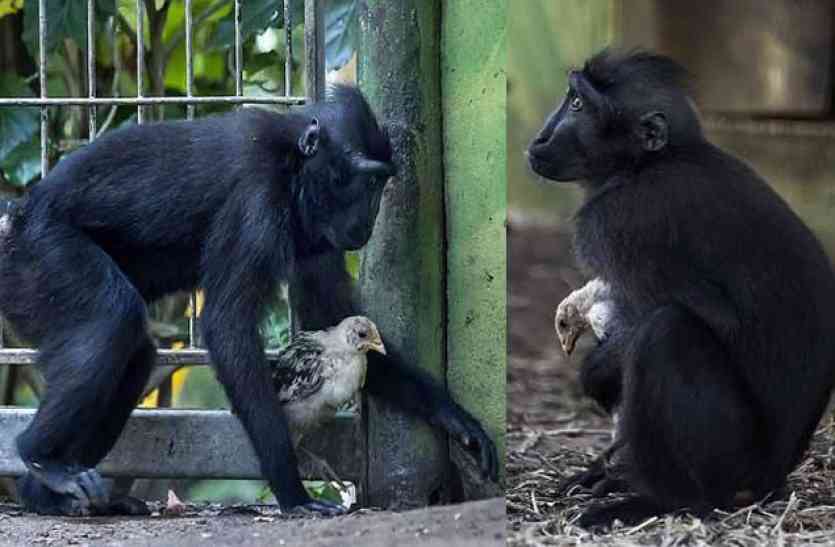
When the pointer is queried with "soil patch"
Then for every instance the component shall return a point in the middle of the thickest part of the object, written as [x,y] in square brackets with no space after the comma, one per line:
[480,523]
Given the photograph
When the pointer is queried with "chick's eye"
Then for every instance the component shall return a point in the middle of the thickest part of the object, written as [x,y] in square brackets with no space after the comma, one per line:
[362,334]
[576,104]
[563,324]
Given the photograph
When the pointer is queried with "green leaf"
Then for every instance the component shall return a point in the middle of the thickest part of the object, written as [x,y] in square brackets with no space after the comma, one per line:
[8,7]
[275,329]
[17,124]
[260,61]
[64,19]
[324,490]
[352,264]
[341,26]
[256,17]
[22,165]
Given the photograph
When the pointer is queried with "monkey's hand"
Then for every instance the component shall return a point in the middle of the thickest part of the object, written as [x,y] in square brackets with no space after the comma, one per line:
[320,507]
[465,429]
[601,374]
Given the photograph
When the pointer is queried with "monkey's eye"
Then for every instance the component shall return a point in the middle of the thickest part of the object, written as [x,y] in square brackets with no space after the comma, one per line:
[576,103]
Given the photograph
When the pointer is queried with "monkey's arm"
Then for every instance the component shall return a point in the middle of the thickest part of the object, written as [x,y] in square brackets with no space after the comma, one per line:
[240,273]
[321,295]
[320,291]
[414,391]
[710,302]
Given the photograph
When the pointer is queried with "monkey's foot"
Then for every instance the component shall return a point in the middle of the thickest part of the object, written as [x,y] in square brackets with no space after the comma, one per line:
[465,429]
[126,505]
[609,485]
[36,497]
[629,512]
[82,484]
[587,479]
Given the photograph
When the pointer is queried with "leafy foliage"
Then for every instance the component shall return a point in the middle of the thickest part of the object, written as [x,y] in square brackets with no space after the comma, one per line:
[23,164]
[18,129]
[10,6]
[256,17]
[64,19]
[213,39]
[341,27]
[17,124]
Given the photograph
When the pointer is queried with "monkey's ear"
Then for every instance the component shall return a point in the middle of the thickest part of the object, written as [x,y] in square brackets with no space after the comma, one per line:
[653,131]
[309,141]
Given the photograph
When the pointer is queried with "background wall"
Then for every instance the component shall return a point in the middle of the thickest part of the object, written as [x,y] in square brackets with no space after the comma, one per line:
[793,148]
[548,38]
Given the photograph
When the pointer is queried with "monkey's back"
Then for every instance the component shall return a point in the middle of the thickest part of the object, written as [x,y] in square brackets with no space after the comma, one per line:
[148,194]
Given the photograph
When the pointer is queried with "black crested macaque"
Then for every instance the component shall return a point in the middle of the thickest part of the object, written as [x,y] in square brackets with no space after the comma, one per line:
[726,358]
[233,204]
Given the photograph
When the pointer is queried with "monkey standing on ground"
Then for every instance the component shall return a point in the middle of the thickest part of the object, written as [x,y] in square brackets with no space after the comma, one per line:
[233,204]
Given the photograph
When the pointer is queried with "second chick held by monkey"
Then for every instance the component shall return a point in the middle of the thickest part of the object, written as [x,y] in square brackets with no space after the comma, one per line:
[590,306]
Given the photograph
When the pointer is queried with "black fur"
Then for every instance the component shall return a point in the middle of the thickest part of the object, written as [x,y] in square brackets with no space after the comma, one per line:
[233,204]
[728,360]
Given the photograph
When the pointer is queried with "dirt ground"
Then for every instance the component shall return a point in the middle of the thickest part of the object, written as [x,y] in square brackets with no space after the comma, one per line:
[553,431]
[473,524]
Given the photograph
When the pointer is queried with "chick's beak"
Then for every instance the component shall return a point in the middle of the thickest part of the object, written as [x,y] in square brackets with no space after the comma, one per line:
[567,348]
[377,345]
[568,345]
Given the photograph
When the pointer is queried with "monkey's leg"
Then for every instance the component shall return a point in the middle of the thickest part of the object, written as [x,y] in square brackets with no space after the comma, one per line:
[616,466]
[587,479]
[602,476]
[685,419]
[99,323]
[93,450]
[601,379]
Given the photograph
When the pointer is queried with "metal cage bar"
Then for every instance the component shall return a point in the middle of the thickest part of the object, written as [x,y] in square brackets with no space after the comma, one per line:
[140,59]
[314,50]
[192,320]
[42,77]
[91,66]
[136,101]
[165,357]
[239,85]
[189,61]
[288,49]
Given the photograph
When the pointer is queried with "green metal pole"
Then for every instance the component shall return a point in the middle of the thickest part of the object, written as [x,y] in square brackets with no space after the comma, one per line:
[474,52]
[402,267]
